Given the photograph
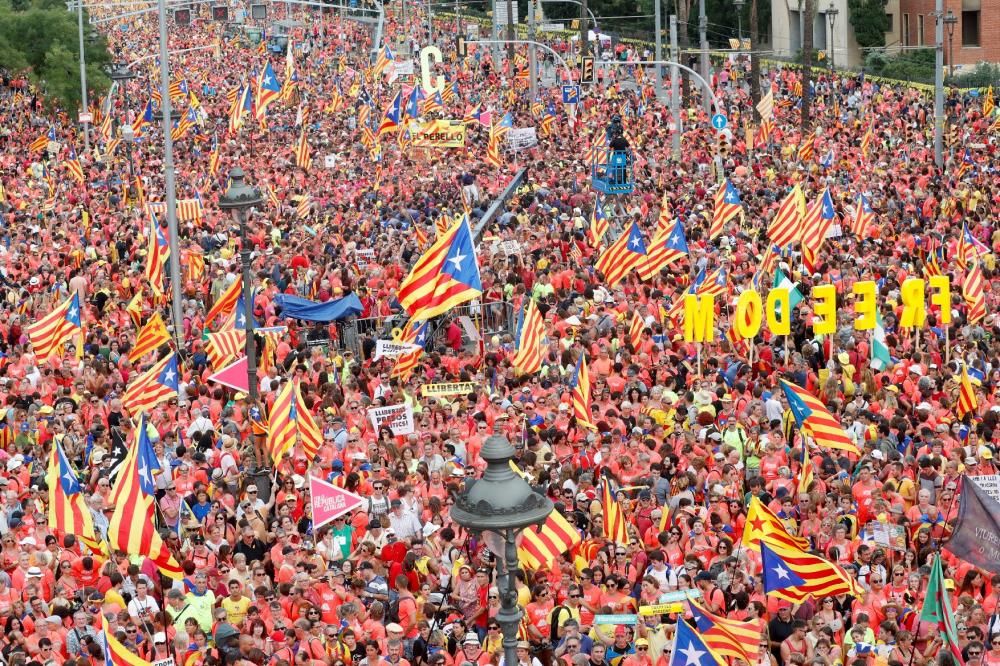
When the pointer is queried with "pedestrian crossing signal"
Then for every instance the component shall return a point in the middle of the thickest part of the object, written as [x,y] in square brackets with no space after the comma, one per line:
[220,13]
[182,16]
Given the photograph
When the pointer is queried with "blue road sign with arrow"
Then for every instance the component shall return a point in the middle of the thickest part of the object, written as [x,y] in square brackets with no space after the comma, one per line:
[719,121]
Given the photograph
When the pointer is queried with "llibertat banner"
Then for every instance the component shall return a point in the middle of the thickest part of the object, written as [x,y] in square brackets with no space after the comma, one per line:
[976,538]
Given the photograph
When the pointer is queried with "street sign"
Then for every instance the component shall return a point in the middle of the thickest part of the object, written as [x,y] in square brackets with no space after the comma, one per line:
[86,118]
[719,121]
[551,27]
[501,13]
[571,94]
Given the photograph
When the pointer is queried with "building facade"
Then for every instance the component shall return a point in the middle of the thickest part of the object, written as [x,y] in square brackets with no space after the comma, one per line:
[834,37]
[971,39]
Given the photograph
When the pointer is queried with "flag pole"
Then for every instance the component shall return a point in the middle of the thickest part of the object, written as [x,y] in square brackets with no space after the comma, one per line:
[947,343]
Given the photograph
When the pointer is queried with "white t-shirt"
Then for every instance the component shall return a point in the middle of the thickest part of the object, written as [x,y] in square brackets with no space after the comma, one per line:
[143,609]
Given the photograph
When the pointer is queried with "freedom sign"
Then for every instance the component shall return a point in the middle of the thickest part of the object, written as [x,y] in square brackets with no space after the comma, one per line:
[330,502]
[397,417]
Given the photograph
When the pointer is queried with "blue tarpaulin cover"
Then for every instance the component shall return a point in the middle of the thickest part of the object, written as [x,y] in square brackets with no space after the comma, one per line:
[296,307]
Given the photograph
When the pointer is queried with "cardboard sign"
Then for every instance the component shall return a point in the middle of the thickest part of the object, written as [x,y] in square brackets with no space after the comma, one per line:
[329,502]
[364,256]
[397,417]
[453,388]
[392,349]
[522,137]
[509,247]
[990,483]
[889,536]
[442,133]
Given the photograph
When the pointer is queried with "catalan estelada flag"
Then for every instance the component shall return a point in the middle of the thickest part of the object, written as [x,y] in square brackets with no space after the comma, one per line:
[786,225]
[134,308]
[967,402]
[541,546]
[973,292]
[268,91]
[969,247]
[728,206]
[728,638]
[446,275]
[805,472]
[579,385]
[615,525]
[132,528]
[391,117]
[74,167]
[626,253]
[290,423]
[384,59]
[152,387]
[691,649]
[815,420]
[635,328]
[157,251]
[150,338]
[807,148]
[528,342]
[668,246]
[68,513]
[795,575]
[415,333]
[55,328]
[864,217]
[819,218]
[763,526]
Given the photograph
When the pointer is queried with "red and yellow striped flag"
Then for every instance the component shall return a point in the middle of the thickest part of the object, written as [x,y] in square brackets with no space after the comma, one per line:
[55,328]
[763,526]
[967,402]
[528,357]
[615,525]
[973,293]
[150,338]
[541,546]
[290,423]
[786,226]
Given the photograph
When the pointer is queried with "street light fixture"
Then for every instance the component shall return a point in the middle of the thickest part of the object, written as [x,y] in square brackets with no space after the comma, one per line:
[500,505]
[240,198]
[739,17]
[950,21]
[831,16]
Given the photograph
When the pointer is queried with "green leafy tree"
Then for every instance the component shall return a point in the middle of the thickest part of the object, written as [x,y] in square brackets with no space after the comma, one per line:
[41,39]
[869,22]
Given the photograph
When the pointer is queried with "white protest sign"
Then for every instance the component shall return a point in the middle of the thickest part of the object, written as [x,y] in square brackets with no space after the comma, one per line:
[397,417]
[364,256]
[392,349]
[510,247]
[522,137]
[989,483]
[169,661]
[330,161]
[403,67]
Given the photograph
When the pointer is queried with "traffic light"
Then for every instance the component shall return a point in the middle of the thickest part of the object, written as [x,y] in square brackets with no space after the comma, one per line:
[587,72]
[182,16]
[220,13]
[461,46]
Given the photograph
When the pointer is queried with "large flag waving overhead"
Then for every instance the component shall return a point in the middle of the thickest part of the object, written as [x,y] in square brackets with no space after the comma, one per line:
[150,338]
[55,328]
[795,576]
[268,90]
[819,218]
[132,528]
[152,387]
[967,402]
[446,275]
[68,513]
[728,205]
[528,344]
[690,648]
[815,420]
[541,546]
[786,226]
[666,248]
[728,638]
[226,301]
[763,526]
[579,385]
[290,422]
[937,609]
[115,653]
[622,256]
[974,536]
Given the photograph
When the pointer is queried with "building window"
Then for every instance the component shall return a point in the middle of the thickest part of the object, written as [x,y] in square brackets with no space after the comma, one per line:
[906,29]
[888,21]
[920,29]
[970,28]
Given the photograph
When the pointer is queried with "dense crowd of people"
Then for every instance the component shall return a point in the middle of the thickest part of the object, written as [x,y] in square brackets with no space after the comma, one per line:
[688,430]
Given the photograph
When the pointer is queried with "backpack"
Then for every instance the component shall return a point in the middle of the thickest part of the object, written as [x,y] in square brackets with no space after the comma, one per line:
[556,622]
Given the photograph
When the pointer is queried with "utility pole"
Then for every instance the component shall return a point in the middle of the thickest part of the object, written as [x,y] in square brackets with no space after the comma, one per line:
[939,84]
[754,59]
[532,56]
[703,37]
[583,37]
[430,22]
[170,187]
[675,106]
[807,49]
[495,30]
[85,108]
[658,71]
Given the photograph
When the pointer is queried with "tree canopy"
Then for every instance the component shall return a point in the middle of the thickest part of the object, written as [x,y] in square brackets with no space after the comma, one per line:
[39,38]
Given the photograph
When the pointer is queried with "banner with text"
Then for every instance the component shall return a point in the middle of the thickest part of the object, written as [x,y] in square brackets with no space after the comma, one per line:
[397,417]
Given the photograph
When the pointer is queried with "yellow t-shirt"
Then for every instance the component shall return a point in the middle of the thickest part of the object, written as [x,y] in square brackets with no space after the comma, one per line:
[112,596]
[236,611]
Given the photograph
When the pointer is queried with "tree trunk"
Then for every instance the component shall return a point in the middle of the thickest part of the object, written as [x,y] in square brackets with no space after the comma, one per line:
[807,49]
[683,15]
[755,93]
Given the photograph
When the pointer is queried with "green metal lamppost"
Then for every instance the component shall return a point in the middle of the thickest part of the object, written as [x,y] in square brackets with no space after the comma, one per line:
[499,506]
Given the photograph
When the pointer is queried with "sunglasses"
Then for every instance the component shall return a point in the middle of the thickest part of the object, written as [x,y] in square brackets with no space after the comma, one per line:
[642,648]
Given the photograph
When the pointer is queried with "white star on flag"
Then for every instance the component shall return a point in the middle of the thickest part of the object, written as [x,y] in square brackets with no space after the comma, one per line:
[691,655]
[457,260]
[781,571]
[168,376]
